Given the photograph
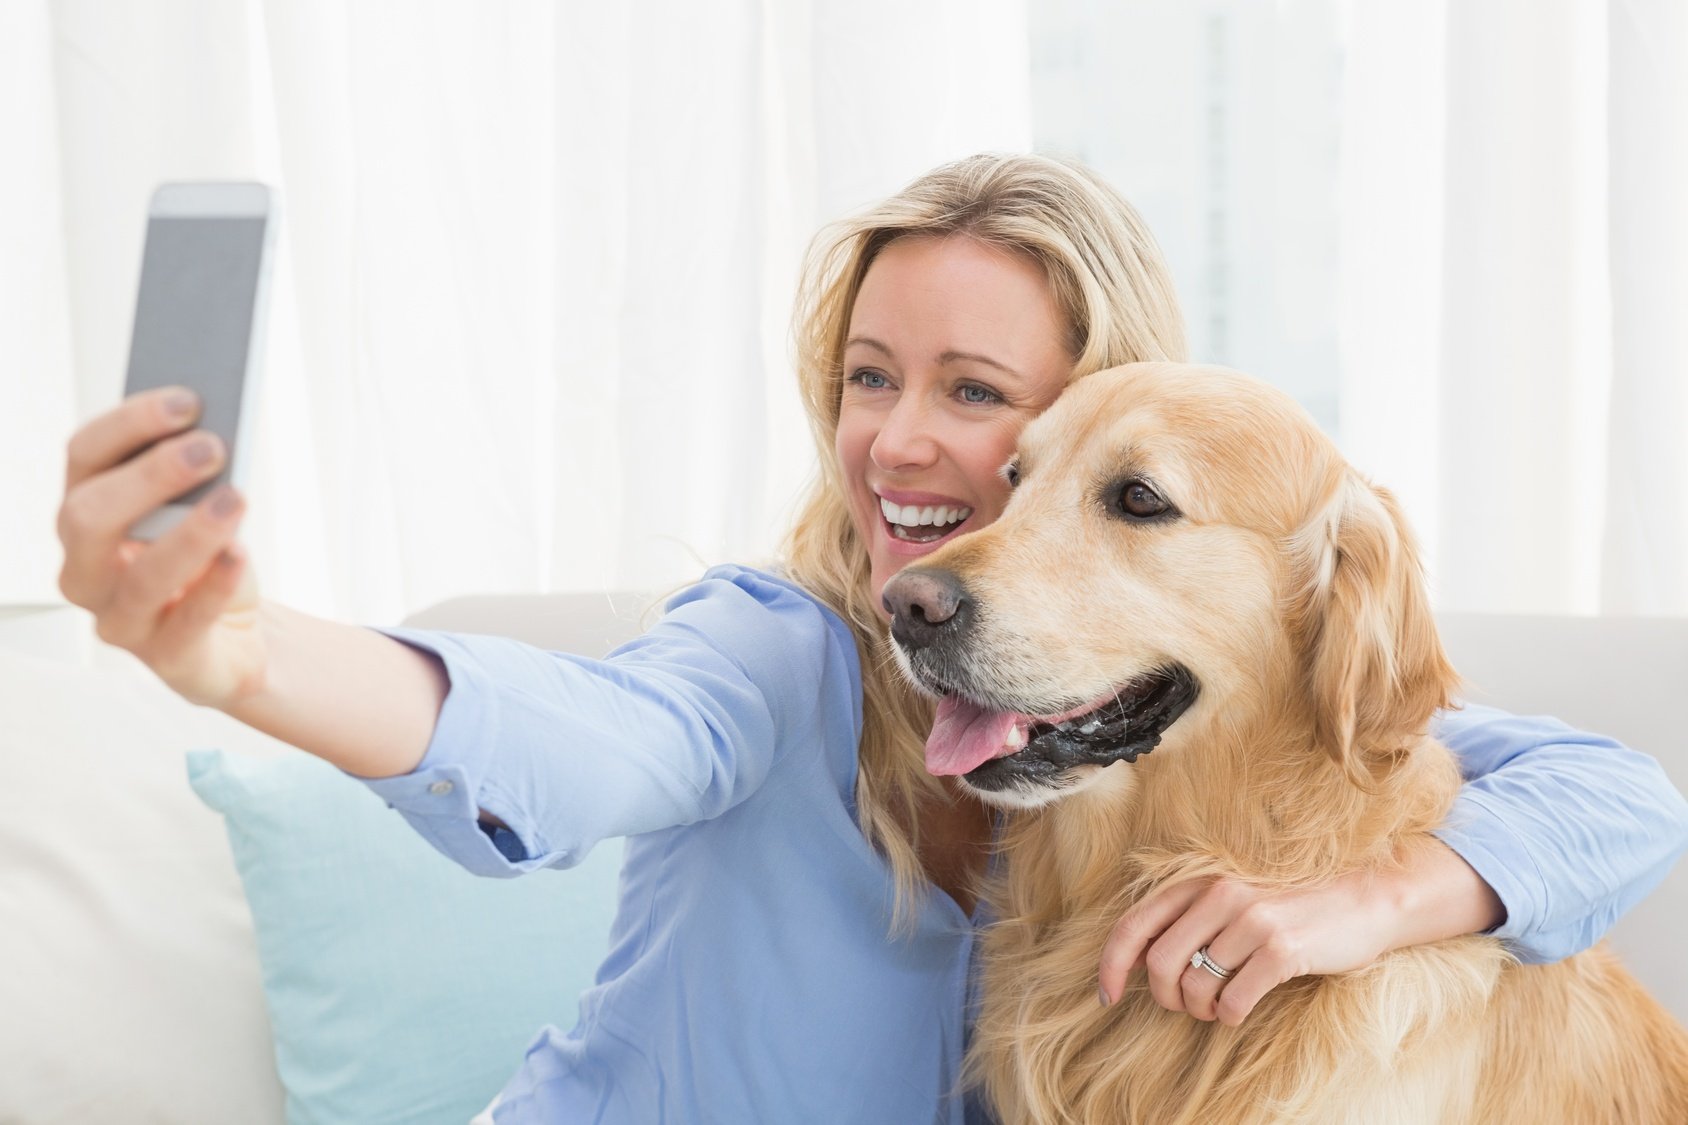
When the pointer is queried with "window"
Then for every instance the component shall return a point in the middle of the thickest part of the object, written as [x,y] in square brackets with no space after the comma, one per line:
[1220,121]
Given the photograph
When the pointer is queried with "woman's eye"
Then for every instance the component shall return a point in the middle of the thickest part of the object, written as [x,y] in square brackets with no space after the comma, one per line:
[1139,500]
[972,392]
[872,380]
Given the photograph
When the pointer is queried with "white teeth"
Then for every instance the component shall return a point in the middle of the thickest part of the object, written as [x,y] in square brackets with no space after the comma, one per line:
[912,516]
[1016,737]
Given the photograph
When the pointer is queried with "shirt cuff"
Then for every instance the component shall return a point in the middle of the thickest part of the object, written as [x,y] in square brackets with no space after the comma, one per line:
[443,796]
[1503,860]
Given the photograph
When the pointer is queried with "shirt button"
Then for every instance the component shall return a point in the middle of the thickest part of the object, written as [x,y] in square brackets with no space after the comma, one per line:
[441,788]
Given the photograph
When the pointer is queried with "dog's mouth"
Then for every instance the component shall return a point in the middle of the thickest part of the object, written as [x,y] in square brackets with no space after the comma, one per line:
[993,749]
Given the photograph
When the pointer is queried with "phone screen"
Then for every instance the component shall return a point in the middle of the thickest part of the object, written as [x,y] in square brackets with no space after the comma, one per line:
[193,319]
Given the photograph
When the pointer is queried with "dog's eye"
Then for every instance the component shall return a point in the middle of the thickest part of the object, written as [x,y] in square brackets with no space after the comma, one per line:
[1011,474]
[1139,501]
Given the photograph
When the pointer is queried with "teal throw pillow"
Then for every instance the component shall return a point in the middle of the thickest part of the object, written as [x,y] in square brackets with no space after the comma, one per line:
[401,988]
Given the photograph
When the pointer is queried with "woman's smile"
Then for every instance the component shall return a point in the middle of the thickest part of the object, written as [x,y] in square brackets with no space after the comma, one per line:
[921,519]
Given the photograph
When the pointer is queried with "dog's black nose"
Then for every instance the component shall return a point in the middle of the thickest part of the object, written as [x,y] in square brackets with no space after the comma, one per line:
[925,606]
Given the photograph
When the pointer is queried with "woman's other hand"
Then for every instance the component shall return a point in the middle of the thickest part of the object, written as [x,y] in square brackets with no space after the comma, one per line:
[187,603]
[1265,938]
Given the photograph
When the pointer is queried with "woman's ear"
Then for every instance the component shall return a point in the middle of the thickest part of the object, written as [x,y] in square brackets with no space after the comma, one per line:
[1375,669]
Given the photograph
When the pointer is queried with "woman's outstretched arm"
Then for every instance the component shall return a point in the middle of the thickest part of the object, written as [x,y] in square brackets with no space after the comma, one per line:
[348,695]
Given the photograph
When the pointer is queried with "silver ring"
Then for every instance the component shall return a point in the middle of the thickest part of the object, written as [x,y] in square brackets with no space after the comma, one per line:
[1200,960]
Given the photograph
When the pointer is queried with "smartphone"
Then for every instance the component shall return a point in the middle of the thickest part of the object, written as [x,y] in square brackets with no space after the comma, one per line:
[199,317]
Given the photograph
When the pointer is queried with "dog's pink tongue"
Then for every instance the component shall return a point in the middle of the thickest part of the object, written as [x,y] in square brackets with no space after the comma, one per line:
[965,735]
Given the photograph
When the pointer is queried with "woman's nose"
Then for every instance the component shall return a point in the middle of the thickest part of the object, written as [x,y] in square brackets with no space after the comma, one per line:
[906,440]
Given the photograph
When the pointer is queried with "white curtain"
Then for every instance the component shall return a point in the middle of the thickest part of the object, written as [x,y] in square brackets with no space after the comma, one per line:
[1515,278]
[530,322]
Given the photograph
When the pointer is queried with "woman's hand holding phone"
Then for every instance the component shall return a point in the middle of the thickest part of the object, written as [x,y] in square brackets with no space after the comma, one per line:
[151,508]
[186,603]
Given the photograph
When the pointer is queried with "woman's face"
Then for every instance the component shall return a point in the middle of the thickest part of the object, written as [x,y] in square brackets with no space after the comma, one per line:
[953,346]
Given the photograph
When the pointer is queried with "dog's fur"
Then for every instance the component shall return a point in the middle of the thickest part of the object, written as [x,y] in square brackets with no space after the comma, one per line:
[1289,586]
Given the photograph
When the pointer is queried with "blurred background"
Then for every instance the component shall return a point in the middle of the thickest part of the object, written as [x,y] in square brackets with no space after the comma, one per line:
[530,323]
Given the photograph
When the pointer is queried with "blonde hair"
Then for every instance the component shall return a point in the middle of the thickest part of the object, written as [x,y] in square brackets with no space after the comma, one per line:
[1116,295]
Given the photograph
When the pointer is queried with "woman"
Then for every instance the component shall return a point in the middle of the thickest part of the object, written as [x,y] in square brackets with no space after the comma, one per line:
[779,952]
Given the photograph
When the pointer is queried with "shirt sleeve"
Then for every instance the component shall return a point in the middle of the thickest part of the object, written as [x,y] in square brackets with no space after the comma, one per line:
[677,726]
[1570,829]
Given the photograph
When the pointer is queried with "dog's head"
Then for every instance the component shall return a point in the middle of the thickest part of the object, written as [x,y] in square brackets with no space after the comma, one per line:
[1183,548]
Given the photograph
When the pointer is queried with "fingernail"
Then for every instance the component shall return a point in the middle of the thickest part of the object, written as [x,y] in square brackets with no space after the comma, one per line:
[224,502]
[1102,996]
[181,404]
[198,452]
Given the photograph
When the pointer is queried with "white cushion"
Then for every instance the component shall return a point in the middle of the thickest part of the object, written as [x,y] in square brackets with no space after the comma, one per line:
[131,988]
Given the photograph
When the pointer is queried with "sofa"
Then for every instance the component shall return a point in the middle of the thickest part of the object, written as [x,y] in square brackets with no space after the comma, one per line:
[202,925]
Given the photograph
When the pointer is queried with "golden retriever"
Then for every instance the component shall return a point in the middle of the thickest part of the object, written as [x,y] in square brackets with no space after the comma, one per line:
[1197,643]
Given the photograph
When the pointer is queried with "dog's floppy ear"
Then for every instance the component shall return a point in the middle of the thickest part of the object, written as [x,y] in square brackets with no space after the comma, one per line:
[1375,669]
